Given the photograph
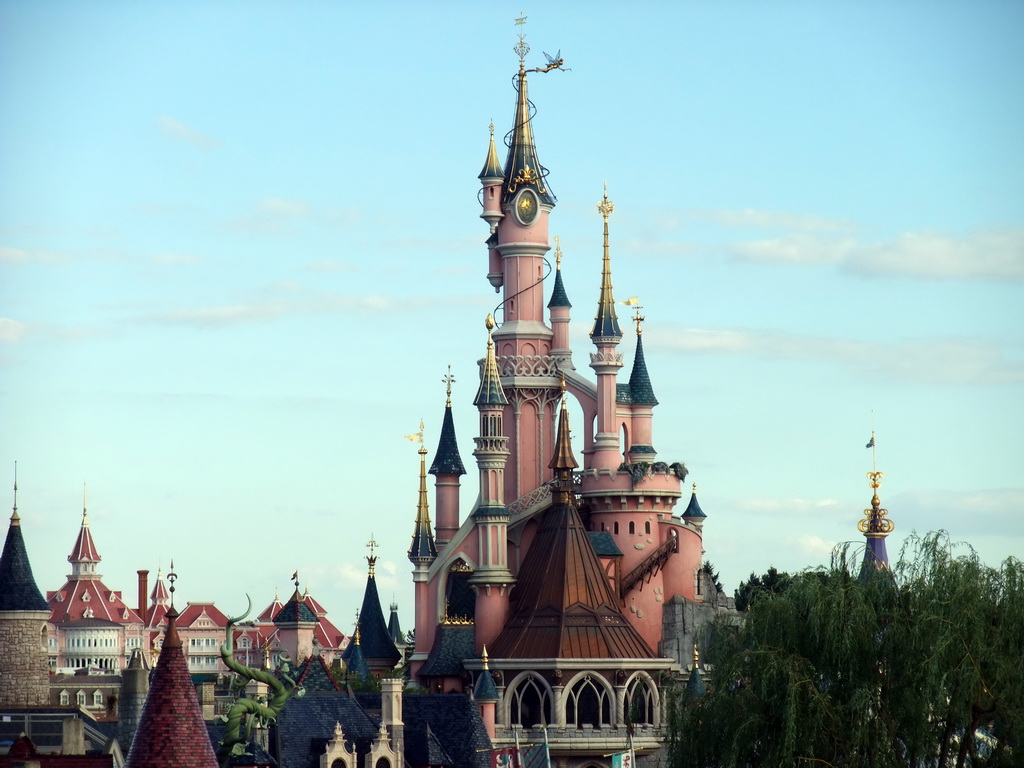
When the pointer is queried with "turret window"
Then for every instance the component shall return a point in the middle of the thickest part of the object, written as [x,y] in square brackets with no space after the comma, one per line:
[632,527]
[647,527]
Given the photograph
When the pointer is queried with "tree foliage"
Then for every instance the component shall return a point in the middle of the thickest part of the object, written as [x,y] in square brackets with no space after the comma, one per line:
[709,568]
[771,581]
[917,667]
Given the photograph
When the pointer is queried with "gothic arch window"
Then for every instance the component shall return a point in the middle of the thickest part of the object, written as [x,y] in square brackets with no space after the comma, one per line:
[530,702]
[641,701]
[459,597]
[339,764]
[383,763]
[647,527]
[632,527]
[589,702]
[616,527]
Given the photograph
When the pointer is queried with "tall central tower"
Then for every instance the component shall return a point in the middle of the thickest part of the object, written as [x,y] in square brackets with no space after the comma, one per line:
[517,203]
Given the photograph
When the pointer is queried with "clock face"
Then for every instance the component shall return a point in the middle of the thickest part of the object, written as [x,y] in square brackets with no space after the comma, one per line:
[526,207]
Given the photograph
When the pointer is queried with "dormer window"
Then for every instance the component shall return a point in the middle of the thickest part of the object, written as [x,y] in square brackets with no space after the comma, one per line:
[86,598]
[112,597]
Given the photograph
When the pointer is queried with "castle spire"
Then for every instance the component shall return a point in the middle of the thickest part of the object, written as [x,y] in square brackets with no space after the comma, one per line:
[18,590]
[559,298]
[641,391]
[523,168]
[875,526]
[447,460]
[84,556]
[490,392]
[422,547]
[606,324]
[492,166]
[563,461]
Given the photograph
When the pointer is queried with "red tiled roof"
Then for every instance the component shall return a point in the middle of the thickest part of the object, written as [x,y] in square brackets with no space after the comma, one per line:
[79,596]
[314,606]
[171,732]
[328,635]
[84,548]
[271,611]
[195,611]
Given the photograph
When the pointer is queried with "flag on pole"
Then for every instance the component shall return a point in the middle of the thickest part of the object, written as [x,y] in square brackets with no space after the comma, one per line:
[622,760]
[871,442]
[504,758]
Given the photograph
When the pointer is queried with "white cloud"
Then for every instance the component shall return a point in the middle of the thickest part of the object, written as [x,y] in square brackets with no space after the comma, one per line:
[22,255]
[815,546]
[925,360]
[989,254]
[179,131]
[11,331]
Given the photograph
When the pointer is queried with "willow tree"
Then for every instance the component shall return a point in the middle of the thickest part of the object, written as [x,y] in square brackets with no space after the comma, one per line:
[920,666]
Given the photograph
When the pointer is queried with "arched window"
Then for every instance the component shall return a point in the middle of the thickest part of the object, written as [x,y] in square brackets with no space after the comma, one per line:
[383,763]
[530,703]
[588,703]
[632,527]
[647,527]
[640,708]
[616,528]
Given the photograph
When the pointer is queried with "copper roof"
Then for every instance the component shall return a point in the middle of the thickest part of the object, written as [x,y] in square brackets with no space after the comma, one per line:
[563,606]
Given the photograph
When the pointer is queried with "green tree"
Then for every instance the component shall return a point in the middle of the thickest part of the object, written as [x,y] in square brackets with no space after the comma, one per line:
[709,568]
[771,581]
[917,667]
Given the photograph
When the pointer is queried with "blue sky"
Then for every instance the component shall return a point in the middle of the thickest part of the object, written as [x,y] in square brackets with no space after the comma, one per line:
[239,246]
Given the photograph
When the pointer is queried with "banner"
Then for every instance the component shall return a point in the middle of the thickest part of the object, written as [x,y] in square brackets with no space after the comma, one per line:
[622,760]
[534,756]
[504,758]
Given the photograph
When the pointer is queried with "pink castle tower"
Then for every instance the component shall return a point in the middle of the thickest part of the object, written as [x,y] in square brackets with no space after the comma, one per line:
[641,556]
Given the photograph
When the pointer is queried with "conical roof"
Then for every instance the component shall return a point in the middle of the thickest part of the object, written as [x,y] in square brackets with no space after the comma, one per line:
[559,298]
[640,389]
[522,167]
[394,627]
[490,392]
[492,166]
[295,611]
[18,590]
[447,460]
[422,548]
[693,508]
[875,526]
[171,732]
[606,322]
[375,640]
[84,550]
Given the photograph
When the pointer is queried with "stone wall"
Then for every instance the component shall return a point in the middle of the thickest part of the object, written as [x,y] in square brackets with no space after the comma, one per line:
[24,660]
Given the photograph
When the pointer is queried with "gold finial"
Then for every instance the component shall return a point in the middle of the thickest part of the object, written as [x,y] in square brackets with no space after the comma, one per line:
[521,48]
[295,580]
[372,559]
[357,627]
[483,656]
[694,487]
[875,522]
[492,129]
[634,301]
[606,206]
[696,657]
[448,380]
[558,253]
[489,323]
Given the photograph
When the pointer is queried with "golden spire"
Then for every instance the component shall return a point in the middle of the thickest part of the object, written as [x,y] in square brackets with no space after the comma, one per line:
[490,392]
[422,537]
[606,324]
[634,302]
[483,656]
[521,48]
[85,513]
[356,636]
[563,461]
[696,656]
[876,523]
[558,253]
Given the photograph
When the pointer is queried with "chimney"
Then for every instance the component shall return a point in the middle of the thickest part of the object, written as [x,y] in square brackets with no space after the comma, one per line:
[144,596]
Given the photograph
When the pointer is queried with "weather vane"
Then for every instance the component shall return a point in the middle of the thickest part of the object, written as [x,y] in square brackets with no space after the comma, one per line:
[416,437]
[606,206]
[522,48]
[634,301]
[448,380]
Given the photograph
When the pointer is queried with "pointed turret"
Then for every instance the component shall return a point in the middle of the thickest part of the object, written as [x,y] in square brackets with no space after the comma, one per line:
[693,513]
[641,391]
[447,468]
[84,556]
[18,590]
[395,628]
[356,660]
[490,393]
[522,167]
[606,324]
[377,647]
[24,665]
[171,731]
[695,685]
[422,548]
[492,165]
[875,526]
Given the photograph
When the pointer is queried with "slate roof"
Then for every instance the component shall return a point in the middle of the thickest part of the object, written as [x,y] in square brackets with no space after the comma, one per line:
[447,460]
[314,676]
[693,508]
[356,661]
[85,548]
[18,590]
[294,611]
[603,543]
[559,298]
[306,724]
[374,637]
[452,644]
[492,166]
[484,688]
[394,628]
[171,732]
[695,685]
[640,388]
[490,391]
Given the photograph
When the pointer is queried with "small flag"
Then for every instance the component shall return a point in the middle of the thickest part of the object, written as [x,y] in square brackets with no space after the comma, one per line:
[632,301]
[504,758]
[622,760]
[534,756]
[871,442]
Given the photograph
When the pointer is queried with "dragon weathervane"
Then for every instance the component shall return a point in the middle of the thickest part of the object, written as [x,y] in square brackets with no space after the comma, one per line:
[522,48]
